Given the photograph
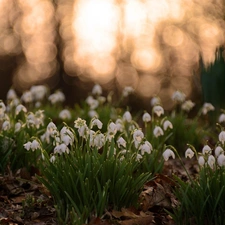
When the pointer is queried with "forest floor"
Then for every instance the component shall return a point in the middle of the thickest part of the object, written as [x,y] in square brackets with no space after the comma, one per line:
[24,201]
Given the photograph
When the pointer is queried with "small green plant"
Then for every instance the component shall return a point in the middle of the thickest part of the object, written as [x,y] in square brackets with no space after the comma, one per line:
[201,199]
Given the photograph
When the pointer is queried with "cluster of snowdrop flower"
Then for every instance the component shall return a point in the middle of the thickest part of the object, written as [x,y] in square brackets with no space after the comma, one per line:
[208,156]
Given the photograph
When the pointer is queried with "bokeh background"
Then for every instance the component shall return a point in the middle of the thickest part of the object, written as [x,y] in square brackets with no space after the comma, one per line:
[154,46]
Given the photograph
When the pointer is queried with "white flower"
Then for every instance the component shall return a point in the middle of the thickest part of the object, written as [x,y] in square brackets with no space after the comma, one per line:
[27,145]
[189,153]
[65,114]
[84,131]
[167,154]
[27,97]
[121,142]
[97,140]
[127,90]
[56,97]
[6,125]
[222,118]
[155,101]
[127,116]
[101,99]
[221,160]
[11,94]
[158,131]
[138,157]
[146,117]
[158,110]
[222,137]
[187,105]
[52,159]
[111,131]
[17,127]
[167,124]
[97,90]
[61,148]
[206,150]
[146,147]
[138,135]
[211,161]
[201,161]
[35,145]
[20,108]
[79,123]
[218,151]
[38,92]
[92,113]
[96,122]
[207,107]
[178,96]
[67,139]
[93,103]
[2,109]
[51,128]
[119,125]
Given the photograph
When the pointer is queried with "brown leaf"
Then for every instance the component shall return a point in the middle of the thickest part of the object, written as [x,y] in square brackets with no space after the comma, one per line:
[147,220]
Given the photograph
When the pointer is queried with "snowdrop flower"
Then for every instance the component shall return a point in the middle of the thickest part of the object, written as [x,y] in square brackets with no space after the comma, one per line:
[38,92]
[167,154]
[66,136]
[221,160]
[6,125]
[84,131]
[101,99]
[146,117]
[65,114]
[167,124]
[79,122]
[158,131]
[211,161]
[52,159]
[56,97]
[222,137]
[138,157]
[51,127]
[27,145]
[207,107]
[27,97]
[111,131]
[93,103]
[178,96]
[206,150]
[96,122]
[145,148]
[119,125]
[158,110]
[61,148]
[127,116]
[189,153]
[97,89]
[137,137]
[201,161]
[2,109]
[11,94]
[98,140]
[218,151]
[92,113]
[17,127]
[222,118]
[187,105]
[127,91]
[20,108]
[35,145]
[155,101]
[121,142]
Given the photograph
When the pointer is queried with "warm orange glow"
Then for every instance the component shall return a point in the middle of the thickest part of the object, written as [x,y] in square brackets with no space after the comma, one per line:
[151,45]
